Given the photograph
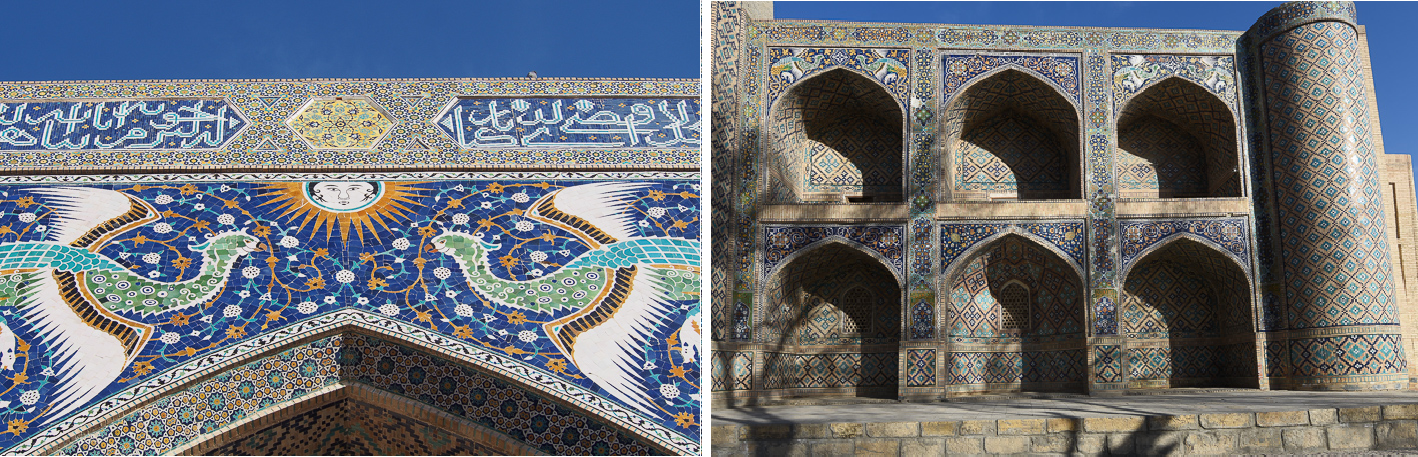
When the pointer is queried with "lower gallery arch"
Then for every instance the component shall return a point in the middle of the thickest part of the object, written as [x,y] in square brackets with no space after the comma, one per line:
[353,391]
[833,321]
[1186,315]
[1015,321]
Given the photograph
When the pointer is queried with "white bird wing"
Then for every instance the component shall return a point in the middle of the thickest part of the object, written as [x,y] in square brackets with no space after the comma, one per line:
[88,217]
[606,340]
[86,359]
[598,212]
[689,338]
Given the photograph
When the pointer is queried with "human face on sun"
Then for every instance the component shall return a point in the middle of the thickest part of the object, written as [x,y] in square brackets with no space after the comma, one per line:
[344,196]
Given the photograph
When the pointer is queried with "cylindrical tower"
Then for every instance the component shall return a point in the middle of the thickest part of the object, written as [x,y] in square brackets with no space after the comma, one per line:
[1339,328]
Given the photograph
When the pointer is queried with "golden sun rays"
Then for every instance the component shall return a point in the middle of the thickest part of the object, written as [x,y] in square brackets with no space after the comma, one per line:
[359,206]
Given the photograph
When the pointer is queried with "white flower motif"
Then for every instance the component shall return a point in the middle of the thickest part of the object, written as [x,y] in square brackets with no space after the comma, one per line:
[460,219]
[30,397]
[486,205]
[27,217]
[345,276]
[389,309]
[250,272]
[669,390]
[244,294]
[231,311]
[401,244]
[199,207]
[40,228]
[524,226]
[429,297]
[266,297]
[225,188]
[526,336]
[362,300]
[644,223]
[649,365]
[329,299]
[442,273]
[458,188]
[163,199]
[538,256]
[535,273]
[226,219]
[657,212]
[564,252]
[520,197]
[306,307]
[463,310]
[48,371]
[289,242]
[162,227]
[154,274]
[152,258]
[451,293]
[170,338]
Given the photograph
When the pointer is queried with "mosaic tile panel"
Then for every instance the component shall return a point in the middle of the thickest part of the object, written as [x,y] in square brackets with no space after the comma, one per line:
[728,26]
[958,238]
[1159,156]
[263,136]
[573,122]
[920,367]
[1349,355]
[837,133]
[995,37]
[801,301]
[1054,293]
[784,241]
[353,428]
[832,370]
[890,67]
[1335,252]
[1288,15]
[960,69]
[743,370]
[719,375]
[923,321]
[1011,367]
[1196,362]
[354,123]
[180,267]
[1107,363]
[1183,119]
[1140,235]
[995,146]
[123,124]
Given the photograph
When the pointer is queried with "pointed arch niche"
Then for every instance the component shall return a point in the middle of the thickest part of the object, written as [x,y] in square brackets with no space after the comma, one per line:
[833,313]
[836,137]
[1015,316]
[1012,136]
[1186,316]
[1177,140]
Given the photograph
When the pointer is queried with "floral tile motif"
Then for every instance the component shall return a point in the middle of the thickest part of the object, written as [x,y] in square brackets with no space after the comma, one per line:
[341,124]
[171,269]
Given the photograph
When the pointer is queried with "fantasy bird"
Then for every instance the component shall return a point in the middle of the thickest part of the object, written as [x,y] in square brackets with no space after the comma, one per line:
[71,297]
[619,290]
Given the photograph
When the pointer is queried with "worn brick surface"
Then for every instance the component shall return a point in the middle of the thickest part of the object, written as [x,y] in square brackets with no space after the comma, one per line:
[1052,443]
[1282,418]
[1356,436]
[846,429]
[946,428]
[985,427]
[893,429]
[878,447]
[1113,424]
[1400,412]
[1007,444]
[1211,443]
[1398,434]
[1303,439]
[1260,440]
[1020,426]
[1062,425]
[1323,416]
[1182,422]
[1364,414]
[1226,420]
[923,447]
[965,445]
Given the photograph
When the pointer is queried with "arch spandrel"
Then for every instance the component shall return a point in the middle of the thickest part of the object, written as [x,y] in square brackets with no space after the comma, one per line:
[967,280]
[1204,158]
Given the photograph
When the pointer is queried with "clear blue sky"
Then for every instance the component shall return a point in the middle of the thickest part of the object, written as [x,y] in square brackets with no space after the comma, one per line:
[1387,24]
[167,39]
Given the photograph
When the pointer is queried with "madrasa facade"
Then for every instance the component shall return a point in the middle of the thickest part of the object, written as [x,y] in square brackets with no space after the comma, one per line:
[919,211]
[350,267]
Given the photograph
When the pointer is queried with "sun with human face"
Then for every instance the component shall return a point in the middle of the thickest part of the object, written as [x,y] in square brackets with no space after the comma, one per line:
[354,206]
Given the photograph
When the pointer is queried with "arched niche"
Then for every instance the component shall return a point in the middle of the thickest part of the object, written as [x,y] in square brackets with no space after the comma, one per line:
[1012,136]
[836,137]
[833,313]
[1177,140]
[1186,314]
[1016,317]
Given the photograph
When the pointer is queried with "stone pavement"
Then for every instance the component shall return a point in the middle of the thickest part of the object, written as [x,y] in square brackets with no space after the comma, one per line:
[1061,406]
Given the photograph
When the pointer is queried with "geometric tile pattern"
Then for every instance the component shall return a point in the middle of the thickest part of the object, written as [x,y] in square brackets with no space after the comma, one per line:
[1008,367]
[1107,363]
[264,138]
[920,367]
[743,370]
[1139,235]
[133,124]
[784,241]
[1202,365]
[307,260]
[719,370]
[832,370]
[341,124]
[1185,290]
[349,427]
[727,21]
[1334,249]
[839,132]
[1365,354]
[1177,139]
[573,122]
[996,148]
[959,69]
[957,238]
[802,299]
[1053,291]
[1133,73]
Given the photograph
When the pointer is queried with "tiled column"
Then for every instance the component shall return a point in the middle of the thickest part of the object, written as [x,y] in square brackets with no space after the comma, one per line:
[1335,274]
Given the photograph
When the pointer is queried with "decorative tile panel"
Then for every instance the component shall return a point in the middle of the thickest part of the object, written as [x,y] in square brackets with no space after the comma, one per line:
[1012,367]
[1133,73]
[957,238]
[1054,293]
[573,123]
[783,241]
[890,67]
[354,123]
[920,367]
[1061,70]
[118,124]
[1139,235]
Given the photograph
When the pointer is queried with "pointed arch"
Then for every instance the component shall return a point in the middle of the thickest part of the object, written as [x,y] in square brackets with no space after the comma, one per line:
[1166,241]
[836,135]
[837,239]
[1176,139]
[1012,133]
[537,383]
[980,246]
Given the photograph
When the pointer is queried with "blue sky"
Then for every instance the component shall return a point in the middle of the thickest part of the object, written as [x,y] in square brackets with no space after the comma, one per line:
[167,39]
[1387,24]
